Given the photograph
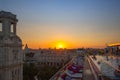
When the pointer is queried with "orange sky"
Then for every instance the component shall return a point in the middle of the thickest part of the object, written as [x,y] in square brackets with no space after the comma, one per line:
[66,43]
[77,23]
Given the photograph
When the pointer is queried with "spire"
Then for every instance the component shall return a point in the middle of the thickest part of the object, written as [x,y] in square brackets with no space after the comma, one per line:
[26,46]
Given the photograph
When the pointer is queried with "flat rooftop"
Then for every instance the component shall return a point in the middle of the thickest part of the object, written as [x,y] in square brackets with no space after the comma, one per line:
[106,65]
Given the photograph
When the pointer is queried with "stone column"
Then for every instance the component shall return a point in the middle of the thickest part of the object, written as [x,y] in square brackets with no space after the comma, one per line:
[6,27]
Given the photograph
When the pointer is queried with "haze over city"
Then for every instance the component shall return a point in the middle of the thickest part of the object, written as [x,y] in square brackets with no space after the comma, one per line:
[66,23]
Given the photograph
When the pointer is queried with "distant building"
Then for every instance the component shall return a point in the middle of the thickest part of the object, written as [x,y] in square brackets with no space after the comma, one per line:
[73,70]
[107,66]
[113,49]
[51,57]
[10,48]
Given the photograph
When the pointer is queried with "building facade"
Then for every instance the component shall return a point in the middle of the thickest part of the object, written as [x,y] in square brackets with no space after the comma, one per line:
[10,48]
[50,57]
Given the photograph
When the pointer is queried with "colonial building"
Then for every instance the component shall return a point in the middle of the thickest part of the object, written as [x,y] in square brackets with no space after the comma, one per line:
[51,57]
[10,48]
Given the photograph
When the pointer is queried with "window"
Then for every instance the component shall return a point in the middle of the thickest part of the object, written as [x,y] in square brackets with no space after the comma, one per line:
[0,27]
[15,54]
[11,28]
[0,77]
[12,75]
[119,47]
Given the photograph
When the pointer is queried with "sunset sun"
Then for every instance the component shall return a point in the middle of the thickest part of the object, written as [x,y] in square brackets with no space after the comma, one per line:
[60,45]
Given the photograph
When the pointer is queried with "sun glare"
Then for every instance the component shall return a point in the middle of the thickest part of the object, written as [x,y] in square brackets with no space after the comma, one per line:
[60,45]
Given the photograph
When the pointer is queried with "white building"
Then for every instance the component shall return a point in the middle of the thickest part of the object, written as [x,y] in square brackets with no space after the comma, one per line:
[51,57]
[10,48]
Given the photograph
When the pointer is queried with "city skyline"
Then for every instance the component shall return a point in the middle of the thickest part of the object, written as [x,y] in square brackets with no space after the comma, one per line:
[45,24]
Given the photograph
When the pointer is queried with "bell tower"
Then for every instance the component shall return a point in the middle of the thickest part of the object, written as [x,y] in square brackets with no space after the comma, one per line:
[9,22]
[11,56]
